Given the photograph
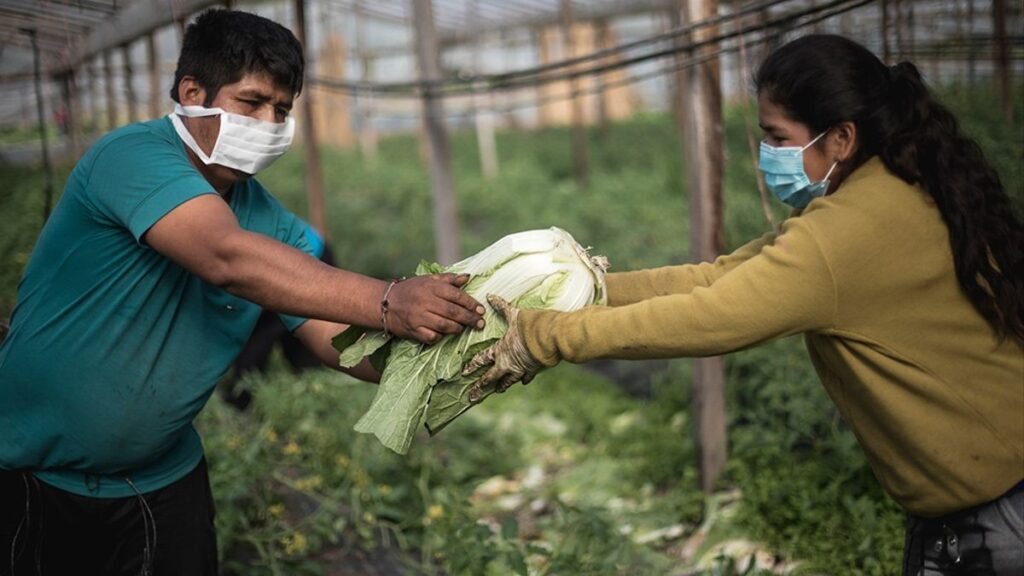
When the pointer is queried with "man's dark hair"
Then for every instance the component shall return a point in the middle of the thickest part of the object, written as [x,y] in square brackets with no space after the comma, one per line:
[222,46]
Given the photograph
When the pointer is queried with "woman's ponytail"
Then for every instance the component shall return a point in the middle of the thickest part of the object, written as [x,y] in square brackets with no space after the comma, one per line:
[927,147]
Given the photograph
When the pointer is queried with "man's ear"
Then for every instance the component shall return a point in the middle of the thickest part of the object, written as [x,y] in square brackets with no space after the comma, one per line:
[843,141]
[190,92]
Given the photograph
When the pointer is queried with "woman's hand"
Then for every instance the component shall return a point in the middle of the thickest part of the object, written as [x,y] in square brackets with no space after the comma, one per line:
[509,359]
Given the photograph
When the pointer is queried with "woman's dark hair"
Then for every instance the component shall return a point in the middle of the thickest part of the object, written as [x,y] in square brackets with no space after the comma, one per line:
[822,80]
[222,46]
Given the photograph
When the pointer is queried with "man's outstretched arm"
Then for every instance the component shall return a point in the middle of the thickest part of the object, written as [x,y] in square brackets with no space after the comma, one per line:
[203,236]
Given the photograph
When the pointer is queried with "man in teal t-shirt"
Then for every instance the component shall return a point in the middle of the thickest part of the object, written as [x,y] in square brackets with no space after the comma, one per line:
[142,288]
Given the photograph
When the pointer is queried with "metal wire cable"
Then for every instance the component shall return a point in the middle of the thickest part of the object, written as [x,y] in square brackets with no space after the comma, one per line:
[469,111]
[474,84]
[509,77]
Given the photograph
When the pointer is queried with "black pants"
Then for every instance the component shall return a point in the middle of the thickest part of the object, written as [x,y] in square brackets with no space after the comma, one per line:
[49,532]
[984,540]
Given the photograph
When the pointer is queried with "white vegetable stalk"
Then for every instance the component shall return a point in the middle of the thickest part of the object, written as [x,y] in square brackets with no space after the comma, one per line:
[423,385]
[519,263]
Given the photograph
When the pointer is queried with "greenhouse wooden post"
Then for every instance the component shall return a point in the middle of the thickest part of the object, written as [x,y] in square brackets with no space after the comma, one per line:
[580,154]
[129,88]
[428,56]
[364,104]
[972,55]
[679,77]
[72,103]
[485,139]
[483,117]
[602,42]
[91,87]
[1003,70]
[108,85]
[153,59]
[47,168]
[540,38]
[314,179]
[702,134]
[886,52]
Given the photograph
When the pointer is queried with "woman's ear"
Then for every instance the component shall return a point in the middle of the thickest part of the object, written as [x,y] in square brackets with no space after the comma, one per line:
[842,142]
[190,92]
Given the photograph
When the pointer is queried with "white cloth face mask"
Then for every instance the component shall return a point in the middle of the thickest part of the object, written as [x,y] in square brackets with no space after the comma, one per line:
[243,143]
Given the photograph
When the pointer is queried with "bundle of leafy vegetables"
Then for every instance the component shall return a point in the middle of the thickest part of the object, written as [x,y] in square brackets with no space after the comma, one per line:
[423,385]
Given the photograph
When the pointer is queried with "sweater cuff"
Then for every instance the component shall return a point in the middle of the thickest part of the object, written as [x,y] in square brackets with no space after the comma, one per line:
[533,326]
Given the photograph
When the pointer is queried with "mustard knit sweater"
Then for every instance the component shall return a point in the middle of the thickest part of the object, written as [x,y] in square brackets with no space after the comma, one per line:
[866,273]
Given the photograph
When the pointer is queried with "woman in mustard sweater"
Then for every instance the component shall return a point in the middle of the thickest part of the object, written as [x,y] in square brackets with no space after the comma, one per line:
[903,269]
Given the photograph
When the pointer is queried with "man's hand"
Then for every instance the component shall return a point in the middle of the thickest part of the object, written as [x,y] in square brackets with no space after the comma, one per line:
[509,359]
[426,307]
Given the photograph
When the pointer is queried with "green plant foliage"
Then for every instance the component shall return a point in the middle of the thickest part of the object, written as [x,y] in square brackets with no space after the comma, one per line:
[807,488]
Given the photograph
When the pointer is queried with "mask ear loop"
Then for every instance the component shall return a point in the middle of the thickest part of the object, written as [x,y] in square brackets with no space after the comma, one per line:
[830,170]
[834,164]
[189,141]
[816,138]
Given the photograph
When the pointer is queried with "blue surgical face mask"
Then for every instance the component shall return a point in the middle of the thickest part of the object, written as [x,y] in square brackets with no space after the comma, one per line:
[784,175]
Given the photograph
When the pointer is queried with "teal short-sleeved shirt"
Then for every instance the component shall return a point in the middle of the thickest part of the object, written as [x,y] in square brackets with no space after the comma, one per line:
[114,348]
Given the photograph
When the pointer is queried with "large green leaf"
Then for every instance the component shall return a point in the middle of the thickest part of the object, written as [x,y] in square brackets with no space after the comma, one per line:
[367,344]
[400,406]
[450,398]
[348,337]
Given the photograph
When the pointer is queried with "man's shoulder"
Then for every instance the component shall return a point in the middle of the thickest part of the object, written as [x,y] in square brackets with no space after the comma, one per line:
[138,140]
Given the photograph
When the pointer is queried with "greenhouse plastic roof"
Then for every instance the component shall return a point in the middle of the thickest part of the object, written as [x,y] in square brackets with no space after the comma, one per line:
[68,31]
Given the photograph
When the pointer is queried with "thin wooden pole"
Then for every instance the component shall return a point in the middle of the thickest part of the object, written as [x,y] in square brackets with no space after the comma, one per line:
[92,88]
[153,59]
[681,88]
[108,85]
[845,24]
[483,117]
[901,47]
[702,147]
[428,56]
[1002,68]
[603,42]
[743,71]
[972,58]
[364,104]
[507,98]
[545,116]
[886,51]
[486,142]
[580,153]
[959,26]
[47,168]
[129,88]
[911,41]
[71,97]
[314,178]
[78,103]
